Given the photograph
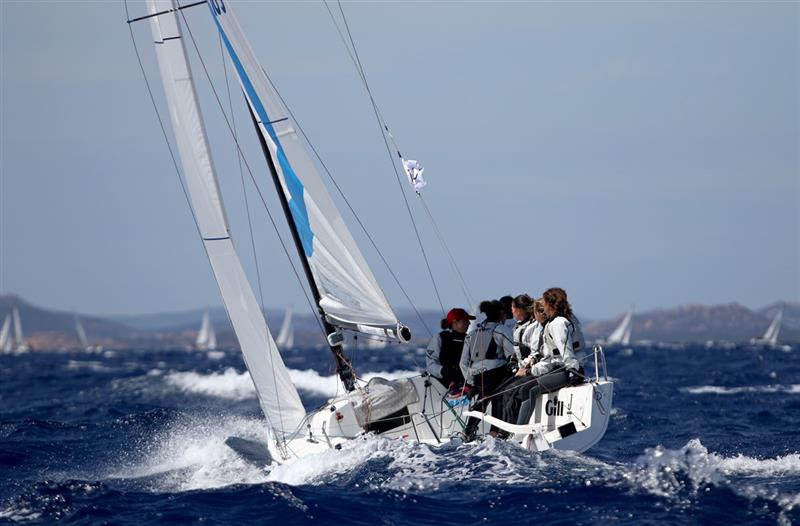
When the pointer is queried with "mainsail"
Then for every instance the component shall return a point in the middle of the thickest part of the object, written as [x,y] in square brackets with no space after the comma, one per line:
[206,337]
[81,334]
[19,338]
[286,334]
[5,335]
[277,396]
[349,294]
[774,329]
[622,334]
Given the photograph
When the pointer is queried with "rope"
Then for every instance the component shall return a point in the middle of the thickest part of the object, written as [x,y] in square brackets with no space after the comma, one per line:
[381,124]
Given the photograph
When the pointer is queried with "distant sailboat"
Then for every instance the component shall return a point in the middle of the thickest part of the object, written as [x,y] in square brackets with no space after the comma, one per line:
[285,338]
[206,337]
[6,341]
[84,342]
[622,334]
[20,345]
[773,331]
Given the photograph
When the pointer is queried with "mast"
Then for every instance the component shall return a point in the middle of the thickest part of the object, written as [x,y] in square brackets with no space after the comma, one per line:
[343,367]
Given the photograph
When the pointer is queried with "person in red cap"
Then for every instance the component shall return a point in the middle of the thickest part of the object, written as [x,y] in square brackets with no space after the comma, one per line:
[444,350]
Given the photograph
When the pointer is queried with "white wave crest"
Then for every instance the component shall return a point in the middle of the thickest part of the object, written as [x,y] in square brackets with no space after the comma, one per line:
[192,455]
[228,384]
[680,474]
[715,389]
[233,385]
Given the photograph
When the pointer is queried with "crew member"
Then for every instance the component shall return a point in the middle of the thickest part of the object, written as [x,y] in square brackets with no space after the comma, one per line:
[444,350]
[485,358]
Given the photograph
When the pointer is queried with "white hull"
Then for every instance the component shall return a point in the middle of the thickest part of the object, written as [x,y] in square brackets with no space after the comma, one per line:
[573,418]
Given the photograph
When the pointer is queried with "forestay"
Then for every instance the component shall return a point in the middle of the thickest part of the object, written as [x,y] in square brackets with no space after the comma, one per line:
[349,294]
[276,394]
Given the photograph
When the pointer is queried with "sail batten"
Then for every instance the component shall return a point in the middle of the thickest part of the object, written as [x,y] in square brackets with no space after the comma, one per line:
[277,396]
[349,293]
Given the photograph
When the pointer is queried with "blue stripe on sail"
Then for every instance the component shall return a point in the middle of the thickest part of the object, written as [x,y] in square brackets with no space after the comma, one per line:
[297,204]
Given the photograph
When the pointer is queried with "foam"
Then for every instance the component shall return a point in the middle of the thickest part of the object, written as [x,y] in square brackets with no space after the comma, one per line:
[228,384]
[233,385]
[680,475]
[98,367]
[719,390]
[191,455]
[19,513]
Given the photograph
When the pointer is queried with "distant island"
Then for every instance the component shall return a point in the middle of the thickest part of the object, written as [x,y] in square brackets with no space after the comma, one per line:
[48,329]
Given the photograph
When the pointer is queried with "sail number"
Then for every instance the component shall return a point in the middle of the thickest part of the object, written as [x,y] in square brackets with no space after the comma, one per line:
[218,5]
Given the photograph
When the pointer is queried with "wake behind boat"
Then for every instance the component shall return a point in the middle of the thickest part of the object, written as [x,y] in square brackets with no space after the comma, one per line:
[345,291]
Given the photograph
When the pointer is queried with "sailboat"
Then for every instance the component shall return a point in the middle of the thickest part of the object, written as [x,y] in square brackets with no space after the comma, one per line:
[622,334]
[285,338]
[6,340]
[82,339]
[345,291]
[84,342]
[20,345]
[206,337]
[770,336]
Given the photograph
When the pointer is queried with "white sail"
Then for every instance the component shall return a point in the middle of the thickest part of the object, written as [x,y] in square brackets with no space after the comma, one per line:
[622,334]
[286,334]
[19,338]
[277,396]
[350,295]
[202,335]
[81,334]
[774,329]
[211,345]
[5,335]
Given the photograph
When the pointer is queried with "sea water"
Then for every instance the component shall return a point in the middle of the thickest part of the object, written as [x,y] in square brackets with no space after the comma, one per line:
[706,434]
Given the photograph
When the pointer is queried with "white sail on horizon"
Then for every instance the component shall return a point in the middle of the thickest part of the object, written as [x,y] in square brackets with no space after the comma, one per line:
[285,338]
[5,336]
[20,345]
[81,333]
[774,329]
[622,334]
[206,337]
[277,396]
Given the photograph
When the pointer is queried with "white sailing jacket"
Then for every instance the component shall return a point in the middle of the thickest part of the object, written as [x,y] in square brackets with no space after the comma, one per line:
[531,338]
[474,359]
[556,348]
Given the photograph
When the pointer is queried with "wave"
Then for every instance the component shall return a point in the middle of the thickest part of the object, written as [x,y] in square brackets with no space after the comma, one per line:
[233,385]
[683,474]
[715,389]
[228,384]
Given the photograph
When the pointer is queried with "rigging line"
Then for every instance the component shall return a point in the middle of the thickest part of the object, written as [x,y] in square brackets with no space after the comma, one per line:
[361,73]
[169,146]
[347,202]
[453,264]
[391,157]
[241,174]
[250,172]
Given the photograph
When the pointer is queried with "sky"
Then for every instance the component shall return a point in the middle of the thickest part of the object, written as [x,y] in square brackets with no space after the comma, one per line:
[636,154]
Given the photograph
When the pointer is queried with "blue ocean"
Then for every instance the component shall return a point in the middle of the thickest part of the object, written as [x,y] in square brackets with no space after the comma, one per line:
[700,434]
